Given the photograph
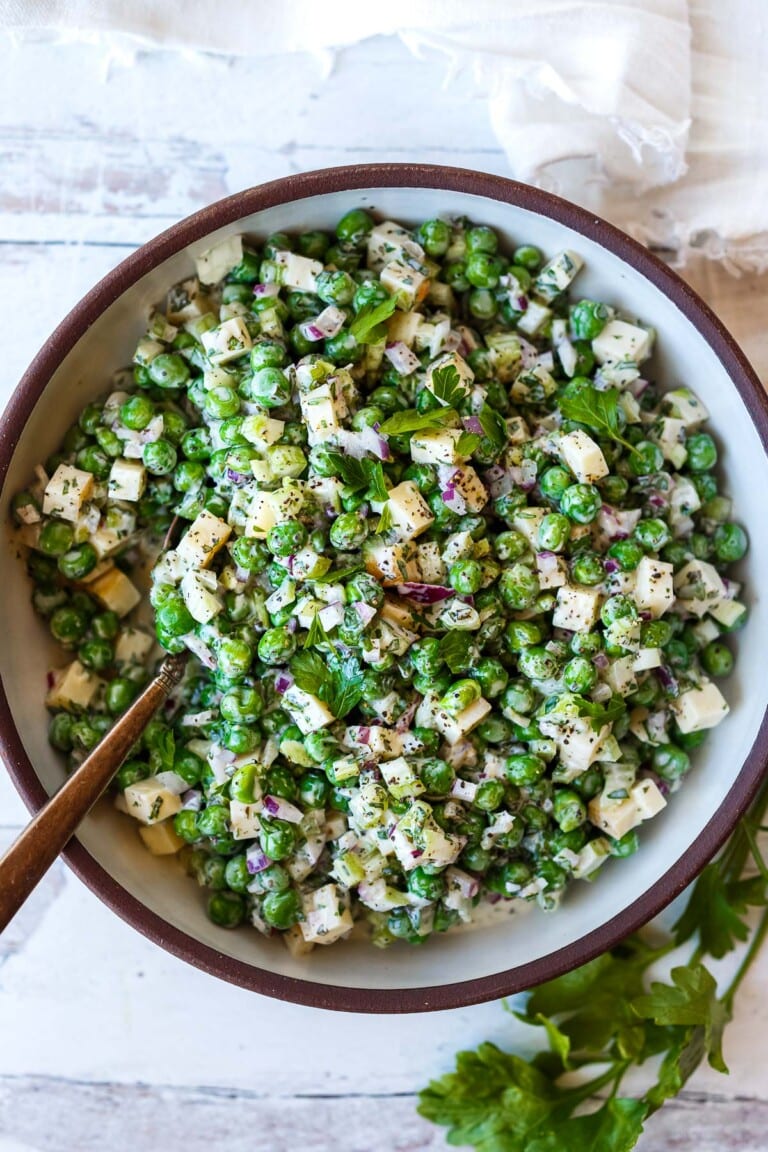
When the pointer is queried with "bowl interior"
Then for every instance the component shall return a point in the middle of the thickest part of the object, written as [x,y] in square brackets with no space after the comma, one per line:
[503,943]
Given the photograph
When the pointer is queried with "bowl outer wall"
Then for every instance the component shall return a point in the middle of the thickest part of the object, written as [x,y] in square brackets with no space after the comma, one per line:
[190,232]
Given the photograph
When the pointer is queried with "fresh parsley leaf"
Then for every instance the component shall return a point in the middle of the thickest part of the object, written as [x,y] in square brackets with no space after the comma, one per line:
[310,672]
[717,910]
[691,999]
[615,1127]
[457,650]
[598,410]
[412,421]
[494,426]
[338,575]
[468,443]
[163,753]
[368,326]
[446,385]
[377,485]
[385,520]
[602,714]
[316,634]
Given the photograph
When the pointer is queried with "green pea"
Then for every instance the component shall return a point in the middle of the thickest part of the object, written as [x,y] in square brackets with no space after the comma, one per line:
[436,775]
[119,693]
[196,444]
[159,457]
[579,675]
[189,766]
[169,370]
[234,656]
[434,237]
[588,318]
[277,646]
[588,569]
[617,608]
[614,488]
[268,387]
[281,909]
[226,909]
[538,663]
[655,634]
[277,838]
[60,732]
[554,532]
[185,826]
[130,773]
[313,244]
[247,271]
[670,762]
[96,654]
[280,781]
[627,554]
[482,239]
[482,270]
[242,704]
[211,872]
[702,452]
[731,543]
[482,304]
[581,503]
[646,458]
[489,795]
[518,587]
[465,576]
[173,616]
[520,634]
[56,537]
[717,659]
[348,531]
[313,790]
[92,459]
[287,538]
[652,534]
[335,287]
[354,227]
[78,562]
[137,412]
[491,675]
[460,696]
[523,769]
[426,885]
[554,481]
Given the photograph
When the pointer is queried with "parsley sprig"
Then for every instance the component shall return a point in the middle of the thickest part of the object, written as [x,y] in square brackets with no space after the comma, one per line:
[338,683]
[606,1018]
[597,409]
[368,327]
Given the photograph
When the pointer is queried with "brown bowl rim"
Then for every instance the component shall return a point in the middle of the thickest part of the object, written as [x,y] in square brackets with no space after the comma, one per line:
[193,228]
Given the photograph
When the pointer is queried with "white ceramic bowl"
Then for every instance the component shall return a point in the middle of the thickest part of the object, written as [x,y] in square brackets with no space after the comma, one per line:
[514,952]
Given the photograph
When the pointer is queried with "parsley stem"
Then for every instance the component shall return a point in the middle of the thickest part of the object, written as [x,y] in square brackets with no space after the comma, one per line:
[757,855]
[750,955]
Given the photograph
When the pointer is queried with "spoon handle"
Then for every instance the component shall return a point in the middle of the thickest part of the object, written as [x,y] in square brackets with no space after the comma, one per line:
[35,849]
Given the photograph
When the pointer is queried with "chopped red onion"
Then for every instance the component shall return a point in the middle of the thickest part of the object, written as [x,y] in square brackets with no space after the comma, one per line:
[283,810]
[192,800]
[237,478]
[262,290]
[611,565]
[600,661]
[283,681]
[172,781]
[199,719]
[332,615]
[452,342]
[498,481]
[667,680]
[464,790]
[637,387]
[404,723]
[469,886]
[529,354]
[365,611]
[424,593]
[200,649]
[472,424]
[291,624]
[50,680]
[402,359]
[218,759]
[255,860]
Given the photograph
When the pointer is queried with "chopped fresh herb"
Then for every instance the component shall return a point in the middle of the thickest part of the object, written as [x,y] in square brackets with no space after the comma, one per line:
[385,520]
[368,326]
[412,421]
[316,634]
[597,409]
[446,385]
[494,426]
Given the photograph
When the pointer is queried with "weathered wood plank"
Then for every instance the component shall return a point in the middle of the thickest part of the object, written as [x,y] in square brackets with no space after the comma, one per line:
[58,1115]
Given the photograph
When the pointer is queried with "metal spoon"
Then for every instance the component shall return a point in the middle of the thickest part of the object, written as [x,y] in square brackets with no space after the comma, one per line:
[32,853]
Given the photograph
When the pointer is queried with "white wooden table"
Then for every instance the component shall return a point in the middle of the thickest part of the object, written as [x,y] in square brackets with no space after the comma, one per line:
[106,1041]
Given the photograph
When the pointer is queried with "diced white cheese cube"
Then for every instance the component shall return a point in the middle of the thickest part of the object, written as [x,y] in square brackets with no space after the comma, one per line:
[261,430]
[534,318]
[406,284]
[298,271]
[454,727]
[592,856]
[116,592]
[552,570]
[400,778]
[620,340]
[73,687]
[577,609]
[244,819]
[463,490]
[620,675]
[326,915]
[161,839]
[133,646]
[527,522]
[557,274]
[149,801]
[389,563]
[727,612]
[410,512]
[685,406]
[436,447]
[203,539]
[381,743]
[306,710]
[533,384]
[699,708]
[403,326]
[430,563]
[451,360]
[217,262]
[127,480]
[578,742]
[648,658]
[66,492]
[647,799]
[654,586]
[670,437]
[283,595]
[616,817]
[583,456]
[227,342]
[199,597]
[699,587]
[261,516]
[389,241]
[318,408]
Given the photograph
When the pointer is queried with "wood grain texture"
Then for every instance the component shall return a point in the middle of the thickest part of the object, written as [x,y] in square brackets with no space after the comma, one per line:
[105,1038]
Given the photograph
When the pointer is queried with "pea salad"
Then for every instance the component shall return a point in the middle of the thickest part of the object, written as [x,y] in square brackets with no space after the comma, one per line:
[451,565]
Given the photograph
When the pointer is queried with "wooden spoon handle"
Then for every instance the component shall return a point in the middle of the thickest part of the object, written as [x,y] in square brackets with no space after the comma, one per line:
[32,853]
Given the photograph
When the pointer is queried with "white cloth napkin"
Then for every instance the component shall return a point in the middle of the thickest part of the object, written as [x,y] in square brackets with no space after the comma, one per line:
[652,112]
